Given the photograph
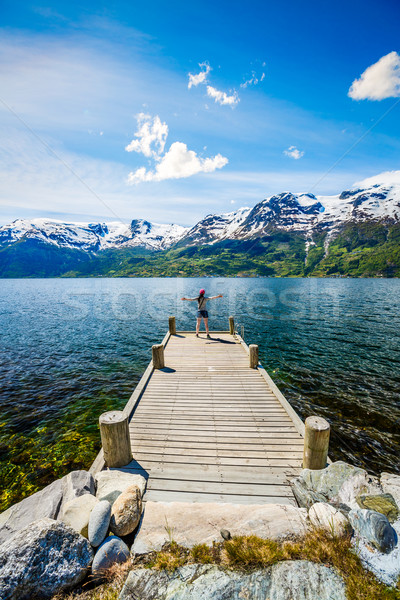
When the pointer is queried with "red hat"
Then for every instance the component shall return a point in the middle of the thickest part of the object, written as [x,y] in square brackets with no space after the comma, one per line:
[202,292]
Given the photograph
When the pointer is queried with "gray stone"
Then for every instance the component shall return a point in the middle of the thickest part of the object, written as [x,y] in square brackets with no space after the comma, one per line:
[126,511]
[189,523]
[99,522]
[75,484]
[337,483]
[42,504]
[326,516]
[375,528]
[45,503]
[391,485]
[382,503]
[77,511]
[290,580]
[112,550]
[115,482]
[44,558]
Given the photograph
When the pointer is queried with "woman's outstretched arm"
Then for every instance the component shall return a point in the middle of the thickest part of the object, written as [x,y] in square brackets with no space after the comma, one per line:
[215,297]
[190,299]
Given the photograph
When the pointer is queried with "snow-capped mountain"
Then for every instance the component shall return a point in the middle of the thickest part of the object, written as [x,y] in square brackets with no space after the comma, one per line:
[93,237]
[304,214]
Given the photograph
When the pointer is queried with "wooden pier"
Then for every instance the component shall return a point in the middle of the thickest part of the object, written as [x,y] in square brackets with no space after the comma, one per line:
[207,427]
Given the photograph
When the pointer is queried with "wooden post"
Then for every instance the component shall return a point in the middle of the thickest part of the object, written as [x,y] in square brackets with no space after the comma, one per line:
[231,325]
[114,431]
[158,356]
[172,325]
[316,443]
[253,356]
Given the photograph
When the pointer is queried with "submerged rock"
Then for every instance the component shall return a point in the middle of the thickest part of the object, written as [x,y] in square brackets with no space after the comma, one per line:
[77,513]
[99,522]
[289,580]
[381,503]
[338,483]
[326,516]
[112,550]
[47,503]
[44,558]
[126,511]
[375,528]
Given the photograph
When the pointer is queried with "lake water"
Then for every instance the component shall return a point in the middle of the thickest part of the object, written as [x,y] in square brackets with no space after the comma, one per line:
[73,348]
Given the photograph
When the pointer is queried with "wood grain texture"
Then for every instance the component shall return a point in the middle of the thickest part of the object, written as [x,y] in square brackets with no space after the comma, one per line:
[207,428]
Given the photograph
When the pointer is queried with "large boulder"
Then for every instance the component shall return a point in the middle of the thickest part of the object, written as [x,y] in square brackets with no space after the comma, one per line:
[77,512]
[111,483]
[44,558]
[113,550]
[329,518]
[339,483]
[46,503]
[289,580]
[201,523]
[391,485]
[126,511]
[382,503]
[375,528]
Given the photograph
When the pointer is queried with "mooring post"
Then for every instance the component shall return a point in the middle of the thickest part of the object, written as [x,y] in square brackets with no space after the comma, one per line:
[172,325]
[316,443]
[114,431]
[158,356]
[231,325]
[253,356]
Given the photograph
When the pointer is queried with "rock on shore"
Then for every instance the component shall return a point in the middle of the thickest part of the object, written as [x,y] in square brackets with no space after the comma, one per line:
[42,559]
[289,580]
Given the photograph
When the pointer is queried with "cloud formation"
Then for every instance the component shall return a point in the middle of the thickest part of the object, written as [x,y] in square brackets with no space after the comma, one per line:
[222,97]
[293,152]
[254,80]
[379,81]
[177,163]
[151,132]
[201,77]
[218,96]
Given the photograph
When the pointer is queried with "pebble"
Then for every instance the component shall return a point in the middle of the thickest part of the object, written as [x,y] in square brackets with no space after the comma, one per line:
[126,511]
[99,522]
[112,550]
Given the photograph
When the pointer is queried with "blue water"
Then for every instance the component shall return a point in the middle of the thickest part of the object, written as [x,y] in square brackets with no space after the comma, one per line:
[72,348]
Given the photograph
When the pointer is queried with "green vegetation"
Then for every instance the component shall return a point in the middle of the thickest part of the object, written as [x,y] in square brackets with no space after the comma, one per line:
[247,553]
[368,249]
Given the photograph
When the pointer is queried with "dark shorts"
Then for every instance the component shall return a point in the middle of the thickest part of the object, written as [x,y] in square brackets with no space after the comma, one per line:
[202,313]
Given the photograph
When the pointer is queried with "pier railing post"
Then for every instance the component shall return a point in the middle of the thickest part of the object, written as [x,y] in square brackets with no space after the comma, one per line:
[253,356]
[114,431]
[172,325]
[316,443]
[231,325]
[158,356]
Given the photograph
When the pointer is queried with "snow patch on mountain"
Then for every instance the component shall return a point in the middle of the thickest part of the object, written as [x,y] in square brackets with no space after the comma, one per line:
[93,237]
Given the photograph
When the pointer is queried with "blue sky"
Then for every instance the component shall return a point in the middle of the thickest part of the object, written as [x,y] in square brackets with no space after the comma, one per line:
[99,121]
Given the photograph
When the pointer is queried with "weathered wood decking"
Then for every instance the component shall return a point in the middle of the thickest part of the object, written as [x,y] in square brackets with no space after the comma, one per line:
[208,428]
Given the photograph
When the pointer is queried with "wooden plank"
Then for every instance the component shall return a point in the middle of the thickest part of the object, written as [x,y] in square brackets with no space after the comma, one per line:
[183,496]
[217,487]
[146,457]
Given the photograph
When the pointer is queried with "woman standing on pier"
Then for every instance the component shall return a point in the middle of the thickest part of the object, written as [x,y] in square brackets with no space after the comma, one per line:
[202,313]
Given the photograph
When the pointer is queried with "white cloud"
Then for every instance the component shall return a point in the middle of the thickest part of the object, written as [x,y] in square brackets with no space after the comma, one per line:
[254,80]
[201,77]
[381,80]
[222,97]
[293,152]
[151,132]
[178,163]
[385,178]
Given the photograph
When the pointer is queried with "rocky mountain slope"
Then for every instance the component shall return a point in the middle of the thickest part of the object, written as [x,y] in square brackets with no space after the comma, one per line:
[287,228]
